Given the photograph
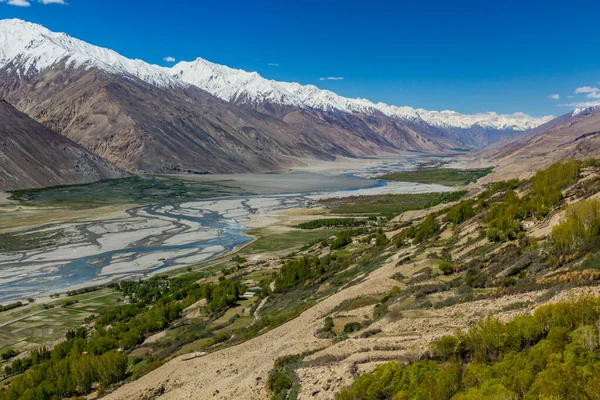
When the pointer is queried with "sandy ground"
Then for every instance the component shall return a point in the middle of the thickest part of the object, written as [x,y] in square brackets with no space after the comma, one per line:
[4,198]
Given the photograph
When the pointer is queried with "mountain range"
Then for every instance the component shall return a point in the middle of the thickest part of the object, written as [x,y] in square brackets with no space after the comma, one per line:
[573,135]
[201,117]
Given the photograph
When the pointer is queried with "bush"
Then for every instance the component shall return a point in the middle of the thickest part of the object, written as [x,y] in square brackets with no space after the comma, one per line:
[351,327]
[10,353]
[445,347]
[446,267]
[550,355]
[278,381]
[580,225]
[379,311]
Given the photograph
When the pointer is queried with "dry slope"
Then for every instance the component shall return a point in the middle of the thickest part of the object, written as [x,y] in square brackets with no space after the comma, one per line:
[31,155]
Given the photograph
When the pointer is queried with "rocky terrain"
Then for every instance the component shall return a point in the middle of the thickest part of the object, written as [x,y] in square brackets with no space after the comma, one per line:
[32,155]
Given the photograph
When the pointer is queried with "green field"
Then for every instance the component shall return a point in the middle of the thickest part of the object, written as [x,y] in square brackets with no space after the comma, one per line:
[442,176]
[34,326]
[135,189]
[389,204]
[20,242]
[290,240]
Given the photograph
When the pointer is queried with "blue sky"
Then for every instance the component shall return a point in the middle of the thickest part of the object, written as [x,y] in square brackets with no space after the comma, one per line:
[468,56]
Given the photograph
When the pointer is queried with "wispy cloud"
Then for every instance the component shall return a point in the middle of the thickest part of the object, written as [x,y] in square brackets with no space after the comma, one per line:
[169,59]
[590,92]
[18,3]
[586,89]
[554,96]
[27,3]
[594,95]
[273,64]
[581,104]
[332,78]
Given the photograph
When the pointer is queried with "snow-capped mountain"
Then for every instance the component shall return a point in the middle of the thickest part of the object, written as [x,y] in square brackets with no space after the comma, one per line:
[28,48]
[237,85]
[585,110]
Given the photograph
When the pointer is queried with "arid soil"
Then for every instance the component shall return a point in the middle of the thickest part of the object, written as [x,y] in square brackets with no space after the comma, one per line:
[241,371]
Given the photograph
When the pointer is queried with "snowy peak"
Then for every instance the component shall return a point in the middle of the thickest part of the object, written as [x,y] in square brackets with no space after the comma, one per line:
[30,48]
[584,110]
[236,85]
[232,84]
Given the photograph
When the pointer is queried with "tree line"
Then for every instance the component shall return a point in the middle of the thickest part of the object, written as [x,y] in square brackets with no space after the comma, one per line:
[85,359]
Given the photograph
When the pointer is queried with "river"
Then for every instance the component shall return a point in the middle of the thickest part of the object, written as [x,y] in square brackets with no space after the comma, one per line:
[161,237]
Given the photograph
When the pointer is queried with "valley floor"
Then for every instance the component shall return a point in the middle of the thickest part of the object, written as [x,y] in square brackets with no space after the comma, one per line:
[241,371]
[334,285]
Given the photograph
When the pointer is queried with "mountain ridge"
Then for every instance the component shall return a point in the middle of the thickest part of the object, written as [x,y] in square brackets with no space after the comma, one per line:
[38,48]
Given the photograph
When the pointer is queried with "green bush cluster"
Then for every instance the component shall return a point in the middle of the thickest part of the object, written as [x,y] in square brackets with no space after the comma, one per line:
[333,223]
[421,232]
[283,381]
[580,225]
[66,371]
[301,269]
[88,289]
[10,353]
[72,367]
[11,306]
[442,176]
[504,218]
[461,212]
[552,354]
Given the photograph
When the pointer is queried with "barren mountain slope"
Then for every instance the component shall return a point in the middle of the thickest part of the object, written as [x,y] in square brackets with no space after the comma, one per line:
[31,155]
[202,117]
[141,127]
[576,136]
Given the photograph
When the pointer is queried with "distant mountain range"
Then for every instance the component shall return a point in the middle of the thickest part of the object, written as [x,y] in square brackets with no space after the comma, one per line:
[573,135]
[201,117]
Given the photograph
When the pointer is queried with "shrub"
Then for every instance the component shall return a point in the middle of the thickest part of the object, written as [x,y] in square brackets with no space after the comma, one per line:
[446,267]
[351,327]
[444,347]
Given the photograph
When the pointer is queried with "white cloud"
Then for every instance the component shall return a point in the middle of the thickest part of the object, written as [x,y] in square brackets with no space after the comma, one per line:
[590,92]
[581,104]
[586,89]
[554,96]
[332,78]
[18,3]
[169,59]
[273,64]
[27,3]
[594,95]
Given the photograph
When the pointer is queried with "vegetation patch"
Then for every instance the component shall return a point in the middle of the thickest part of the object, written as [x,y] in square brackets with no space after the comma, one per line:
[334,223]
[552,354]
[441,176]
[134,189]
[389,204]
